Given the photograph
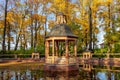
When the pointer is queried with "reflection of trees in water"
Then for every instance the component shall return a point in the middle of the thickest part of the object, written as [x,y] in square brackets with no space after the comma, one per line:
[21,75]
[107,75]
[97,74]
[38,74]
[62,78]
[61,75]
[117,76]
[113,75]
[35,72]
[32,75]
[87,75]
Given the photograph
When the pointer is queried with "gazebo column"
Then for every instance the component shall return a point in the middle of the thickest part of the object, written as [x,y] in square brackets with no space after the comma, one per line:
[57,48]
[53,50]
[75,48]
[46,48]
[66,53]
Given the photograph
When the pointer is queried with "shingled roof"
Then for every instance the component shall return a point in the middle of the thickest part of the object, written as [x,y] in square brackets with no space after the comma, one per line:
[61,30]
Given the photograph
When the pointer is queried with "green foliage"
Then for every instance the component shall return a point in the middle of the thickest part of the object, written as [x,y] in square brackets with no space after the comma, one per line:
[103,50]
[41,49]
[99,56]
[21,51]
[115,56]
[29,51]
[100,50]
[76,29]
[96,51]
[117,48]
[80,50]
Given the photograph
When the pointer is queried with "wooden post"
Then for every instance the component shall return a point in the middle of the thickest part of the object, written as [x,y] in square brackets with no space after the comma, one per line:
[53,50]
[66,42]
[57,48]
[46,48]
[67,54]
[75,48]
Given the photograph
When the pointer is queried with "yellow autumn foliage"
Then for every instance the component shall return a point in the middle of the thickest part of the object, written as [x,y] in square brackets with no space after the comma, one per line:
[51,23]
[39,18]
[1,24]
[10,17]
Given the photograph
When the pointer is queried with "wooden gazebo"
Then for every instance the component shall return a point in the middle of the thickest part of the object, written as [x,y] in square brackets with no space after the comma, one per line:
[58,44]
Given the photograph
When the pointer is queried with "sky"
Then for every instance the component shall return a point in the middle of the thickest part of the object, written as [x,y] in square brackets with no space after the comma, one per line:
[100,37]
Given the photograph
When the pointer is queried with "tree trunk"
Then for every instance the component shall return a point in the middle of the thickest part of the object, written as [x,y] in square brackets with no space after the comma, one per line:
[31,35]
[94,41]
[35,40]
[90,28]
[25,40]
[86,42]
[4,31]
[8,37]
[21,42]
[17,41]
[109,16]
[45,30]
[31,28]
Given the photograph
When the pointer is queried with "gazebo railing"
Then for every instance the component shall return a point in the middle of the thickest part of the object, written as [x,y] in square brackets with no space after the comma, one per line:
[72,60]
[60,60]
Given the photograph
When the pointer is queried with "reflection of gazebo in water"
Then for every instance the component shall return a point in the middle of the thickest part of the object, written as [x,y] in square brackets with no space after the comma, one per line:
[57,47]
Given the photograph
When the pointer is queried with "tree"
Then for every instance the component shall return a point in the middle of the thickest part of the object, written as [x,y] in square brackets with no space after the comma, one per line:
[88,10]
[64,6]
[4,31]
[10,20]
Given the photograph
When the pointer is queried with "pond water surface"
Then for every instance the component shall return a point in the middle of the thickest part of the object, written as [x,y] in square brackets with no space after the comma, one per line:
[34,71]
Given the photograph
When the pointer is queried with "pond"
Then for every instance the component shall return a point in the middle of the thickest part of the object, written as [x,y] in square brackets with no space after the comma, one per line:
[34,71]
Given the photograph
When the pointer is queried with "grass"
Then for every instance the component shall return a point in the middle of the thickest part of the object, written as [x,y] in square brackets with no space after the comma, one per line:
[21,66]
[23,63]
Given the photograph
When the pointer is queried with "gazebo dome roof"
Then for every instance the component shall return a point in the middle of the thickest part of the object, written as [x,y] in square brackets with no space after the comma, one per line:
[61,30]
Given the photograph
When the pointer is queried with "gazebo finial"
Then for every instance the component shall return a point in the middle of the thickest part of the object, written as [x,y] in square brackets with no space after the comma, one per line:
[60,18]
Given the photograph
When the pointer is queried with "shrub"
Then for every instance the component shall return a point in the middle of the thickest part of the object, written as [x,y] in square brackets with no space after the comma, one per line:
[41,49]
